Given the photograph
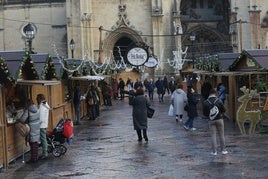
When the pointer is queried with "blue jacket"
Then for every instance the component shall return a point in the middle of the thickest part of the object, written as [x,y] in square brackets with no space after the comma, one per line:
[150,86]
[222,92]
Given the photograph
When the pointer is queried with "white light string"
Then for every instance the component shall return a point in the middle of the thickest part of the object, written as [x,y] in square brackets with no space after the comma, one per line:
[61,59]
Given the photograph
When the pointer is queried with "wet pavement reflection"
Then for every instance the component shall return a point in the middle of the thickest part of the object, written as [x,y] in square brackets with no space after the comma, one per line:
[108,148]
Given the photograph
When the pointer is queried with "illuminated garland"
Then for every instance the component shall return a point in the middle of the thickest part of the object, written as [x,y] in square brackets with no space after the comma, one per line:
[61,60]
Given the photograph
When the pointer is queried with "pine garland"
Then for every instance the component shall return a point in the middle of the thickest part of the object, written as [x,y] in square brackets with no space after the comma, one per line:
[210,63]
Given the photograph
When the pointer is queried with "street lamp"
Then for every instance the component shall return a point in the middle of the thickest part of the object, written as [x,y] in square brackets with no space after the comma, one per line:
[192,38]
[72,46]
[29,32]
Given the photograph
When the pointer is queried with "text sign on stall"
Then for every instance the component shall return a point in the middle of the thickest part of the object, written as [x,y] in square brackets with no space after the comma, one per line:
[137,56]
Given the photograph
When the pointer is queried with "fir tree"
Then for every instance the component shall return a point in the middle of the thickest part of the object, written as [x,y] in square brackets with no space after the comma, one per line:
[49,71]
[6,78]
[28,70]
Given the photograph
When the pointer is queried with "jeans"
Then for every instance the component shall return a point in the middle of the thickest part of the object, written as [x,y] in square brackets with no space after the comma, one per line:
[189,122]
[217,126]
[151,95]
[161,97]
[43,139]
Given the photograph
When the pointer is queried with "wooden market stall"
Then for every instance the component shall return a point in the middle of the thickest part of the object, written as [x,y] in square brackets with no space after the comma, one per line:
[13,95]
[53,94]
[14,143]
[248,68]
[84,83]
[251,70]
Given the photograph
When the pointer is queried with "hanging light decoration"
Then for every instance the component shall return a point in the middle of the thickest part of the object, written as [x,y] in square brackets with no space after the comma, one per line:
[61,60]
[179,58]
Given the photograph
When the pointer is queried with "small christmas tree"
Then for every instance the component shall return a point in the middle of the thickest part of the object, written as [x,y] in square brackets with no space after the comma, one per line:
[49,71]
[28,70]
[6,78]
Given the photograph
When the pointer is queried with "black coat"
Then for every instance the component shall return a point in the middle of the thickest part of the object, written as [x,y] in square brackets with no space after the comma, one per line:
[160,87]
[139,112]
[192,102]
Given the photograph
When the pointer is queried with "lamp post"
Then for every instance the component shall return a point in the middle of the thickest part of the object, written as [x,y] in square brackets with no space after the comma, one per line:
[192,38]
[72,46]
[29,35]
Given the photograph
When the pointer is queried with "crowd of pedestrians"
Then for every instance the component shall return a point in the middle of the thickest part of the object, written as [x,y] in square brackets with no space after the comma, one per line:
[181,100]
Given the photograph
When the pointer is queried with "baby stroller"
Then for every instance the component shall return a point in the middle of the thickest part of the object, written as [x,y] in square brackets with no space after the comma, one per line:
[56,139]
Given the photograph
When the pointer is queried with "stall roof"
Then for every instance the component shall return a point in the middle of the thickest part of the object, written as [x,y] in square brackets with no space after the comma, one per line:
[233,73]
[13,60]
[226,59]
[87,78]
[38,82]
[260,56]
[39,61]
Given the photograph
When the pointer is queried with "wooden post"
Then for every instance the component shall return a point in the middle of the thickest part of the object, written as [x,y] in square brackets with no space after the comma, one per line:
[3,124]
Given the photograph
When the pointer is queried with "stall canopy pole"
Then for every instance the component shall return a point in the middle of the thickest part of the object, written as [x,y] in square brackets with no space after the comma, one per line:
[4,128]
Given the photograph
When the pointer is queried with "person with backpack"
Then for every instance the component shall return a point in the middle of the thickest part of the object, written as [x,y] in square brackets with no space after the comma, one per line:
[214,110]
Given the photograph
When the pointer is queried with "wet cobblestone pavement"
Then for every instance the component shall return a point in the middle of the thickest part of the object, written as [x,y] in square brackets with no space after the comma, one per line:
[108,148]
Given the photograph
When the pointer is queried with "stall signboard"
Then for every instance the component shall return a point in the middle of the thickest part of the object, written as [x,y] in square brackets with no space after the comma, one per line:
[151,63]
[137,56]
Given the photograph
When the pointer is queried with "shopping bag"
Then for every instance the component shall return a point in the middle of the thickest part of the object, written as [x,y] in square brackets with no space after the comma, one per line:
[170,110]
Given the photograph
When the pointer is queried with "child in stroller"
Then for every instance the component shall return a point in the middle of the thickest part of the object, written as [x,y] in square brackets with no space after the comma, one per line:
[56,139]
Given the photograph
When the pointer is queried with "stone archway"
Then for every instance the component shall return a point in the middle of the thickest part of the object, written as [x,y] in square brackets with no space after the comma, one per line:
[122,37]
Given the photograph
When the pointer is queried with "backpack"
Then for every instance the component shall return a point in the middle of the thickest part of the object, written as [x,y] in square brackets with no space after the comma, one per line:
[214,110]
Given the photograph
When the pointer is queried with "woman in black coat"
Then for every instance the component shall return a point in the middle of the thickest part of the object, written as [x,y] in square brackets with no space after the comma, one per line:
[139,114]
[192,110]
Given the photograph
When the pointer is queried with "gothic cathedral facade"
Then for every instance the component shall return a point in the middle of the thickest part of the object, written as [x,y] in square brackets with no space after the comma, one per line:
[103,30]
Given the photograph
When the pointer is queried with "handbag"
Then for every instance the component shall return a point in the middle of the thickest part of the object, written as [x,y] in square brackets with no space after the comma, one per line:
[171,110]
[186,107]
[22,128]
[150,112]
